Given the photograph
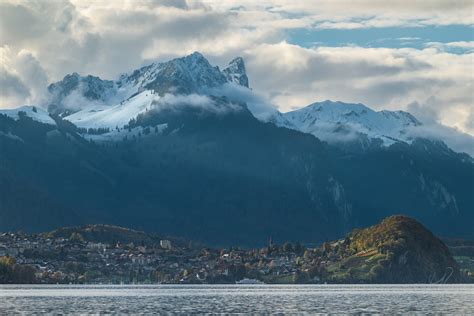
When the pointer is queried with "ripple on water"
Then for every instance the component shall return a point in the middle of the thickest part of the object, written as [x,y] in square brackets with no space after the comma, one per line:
[348,299]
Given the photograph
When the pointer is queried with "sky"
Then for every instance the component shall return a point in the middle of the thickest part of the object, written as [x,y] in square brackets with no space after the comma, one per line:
[398,55]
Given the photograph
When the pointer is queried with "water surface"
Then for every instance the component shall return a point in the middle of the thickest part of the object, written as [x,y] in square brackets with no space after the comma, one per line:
[352,299]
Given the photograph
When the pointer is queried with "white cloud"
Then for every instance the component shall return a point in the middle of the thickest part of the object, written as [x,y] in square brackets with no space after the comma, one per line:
[197,101]
[22,79]
[468,46]
[33,75]
[344,14]
[260,106]
[455,139]
[13,91]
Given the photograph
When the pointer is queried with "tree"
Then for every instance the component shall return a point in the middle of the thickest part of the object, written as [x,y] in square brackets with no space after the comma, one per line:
[298,248]
[24,274]
[307,254]
[238,271]
[299,261]
[313,271]
[76,237]
[6,264]
[300,277]
[10,272]
[326,247]
[376,271]
[287,247]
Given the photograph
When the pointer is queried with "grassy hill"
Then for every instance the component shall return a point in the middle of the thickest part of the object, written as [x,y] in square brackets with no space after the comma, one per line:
[398,250]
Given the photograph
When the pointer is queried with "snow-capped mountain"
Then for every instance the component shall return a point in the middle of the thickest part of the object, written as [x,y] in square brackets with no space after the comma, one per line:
[33,112]
[91,102]
[189,74]
[185,75]
[340,122]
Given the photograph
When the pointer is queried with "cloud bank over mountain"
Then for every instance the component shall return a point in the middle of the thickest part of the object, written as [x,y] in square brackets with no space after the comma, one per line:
[108,38]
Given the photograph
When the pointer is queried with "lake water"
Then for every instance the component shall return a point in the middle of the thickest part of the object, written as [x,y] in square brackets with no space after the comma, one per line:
[347,299]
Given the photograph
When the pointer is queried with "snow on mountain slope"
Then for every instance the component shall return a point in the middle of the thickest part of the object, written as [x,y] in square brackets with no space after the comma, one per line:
[119,115]
[338,121]
[33,112]
[112,116]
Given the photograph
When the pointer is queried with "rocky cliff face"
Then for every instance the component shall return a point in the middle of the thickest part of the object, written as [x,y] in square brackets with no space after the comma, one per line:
[236,73]
[69,94]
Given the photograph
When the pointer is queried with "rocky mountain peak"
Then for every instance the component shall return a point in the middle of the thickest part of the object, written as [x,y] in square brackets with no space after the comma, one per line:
[91,88]
[235,72]
[189,74]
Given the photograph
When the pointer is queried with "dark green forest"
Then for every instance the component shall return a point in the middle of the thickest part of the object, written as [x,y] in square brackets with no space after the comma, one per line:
[225,179]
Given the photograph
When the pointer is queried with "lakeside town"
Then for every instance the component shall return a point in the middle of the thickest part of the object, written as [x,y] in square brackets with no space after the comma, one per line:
[53,259]
[108,254]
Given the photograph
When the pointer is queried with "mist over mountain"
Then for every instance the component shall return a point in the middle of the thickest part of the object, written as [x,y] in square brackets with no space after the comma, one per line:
[184,148]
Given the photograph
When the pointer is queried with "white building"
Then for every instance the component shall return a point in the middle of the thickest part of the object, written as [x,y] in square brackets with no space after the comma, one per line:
[165,244]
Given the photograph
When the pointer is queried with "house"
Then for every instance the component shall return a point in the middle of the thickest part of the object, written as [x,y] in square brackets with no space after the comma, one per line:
[165,244]
[138,259]
[96,246]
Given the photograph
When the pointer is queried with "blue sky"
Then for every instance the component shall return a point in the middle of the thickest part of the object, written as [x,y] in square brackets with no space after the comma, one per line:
[392,37]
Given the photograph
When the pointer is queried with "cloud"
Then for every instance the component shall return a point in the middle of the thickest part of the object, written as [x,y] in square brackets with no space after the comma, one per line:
[465,46]
[33,75]
[197,101]
[13,28]
[423,112]
[258,104]
[455,139]
[337,133]
[330,14]
[76,101]
[23,79]
[12,90]
[370,14]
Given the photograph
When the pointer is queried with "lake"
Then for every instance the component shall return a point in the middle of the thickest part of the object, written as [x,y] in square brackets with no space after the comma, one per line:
[386,299]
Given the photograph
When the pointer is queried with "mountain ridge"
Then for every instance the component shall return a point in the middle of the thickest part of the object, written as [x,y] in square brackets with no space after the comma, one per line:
[90,102]
[338,122]
[204,166]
